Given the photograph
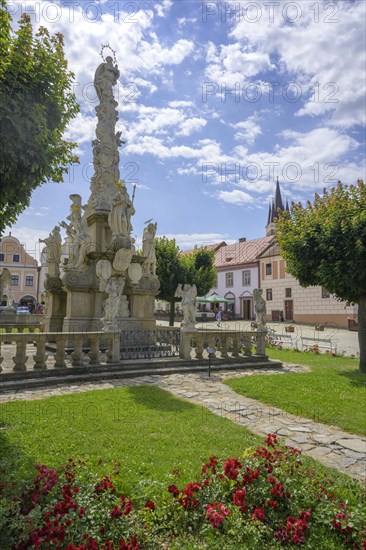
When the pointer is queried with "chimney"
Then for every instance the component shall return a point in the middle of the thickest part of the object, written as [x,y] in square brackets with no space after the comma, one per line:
[242,239]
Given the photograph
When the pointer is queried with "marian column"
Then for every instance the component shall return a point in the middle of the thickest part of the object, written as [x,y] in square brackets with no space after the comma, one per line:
[105,285]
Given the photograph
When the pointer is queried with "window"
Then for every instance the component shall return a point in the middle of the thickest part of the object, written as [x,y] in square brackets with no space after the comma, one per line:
[269,294]
[246,278]
[16,258]
[15,280]
[268,269]
[325,293]
[216,283]
[288,292]
[29,280]
[2,257]
[230,279]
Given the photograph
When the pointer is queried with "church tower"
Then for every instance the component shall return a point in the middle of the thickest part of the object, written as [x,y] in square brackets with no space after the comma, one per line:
[274,207]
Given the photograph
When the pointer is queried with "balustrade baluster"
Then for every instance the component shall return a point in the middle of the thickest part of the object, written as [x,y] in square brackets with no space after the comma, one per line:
[94,353]
[113,353]
[260,343]
[199,345]
[20,357]
[223,347]
[60,354]
[247,345]
[40,355]
[236,345]
[77,355]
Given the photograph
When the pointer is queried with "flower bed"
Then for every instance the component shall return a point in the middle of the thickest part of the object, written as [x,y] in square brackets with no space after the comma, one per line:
[265,498]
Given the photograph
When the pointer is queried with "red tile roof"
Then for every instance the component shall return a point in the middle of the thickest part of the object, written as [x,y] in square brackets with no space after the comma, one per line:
[242,252]
[213,247]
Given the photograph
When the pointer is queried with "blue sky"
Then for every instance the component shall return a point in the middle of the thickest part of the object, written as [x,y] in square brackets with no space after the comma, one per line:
[215,100]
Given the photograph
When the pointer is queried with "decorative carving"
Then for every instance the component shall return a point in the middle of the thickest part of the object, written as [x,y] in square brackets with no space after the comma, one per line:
[52,284]
[79,280]
[105,147]
[149,283]
[122,260]
[103,272]
[135,273]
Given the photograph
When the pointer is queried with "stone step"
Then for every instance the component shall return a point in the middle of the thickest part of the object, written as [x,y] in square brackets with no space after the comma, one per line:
[31,379]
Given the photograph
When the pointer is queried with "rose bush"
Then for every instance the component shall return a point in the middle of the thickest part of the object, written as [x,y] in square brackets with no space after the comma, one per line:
[265,498]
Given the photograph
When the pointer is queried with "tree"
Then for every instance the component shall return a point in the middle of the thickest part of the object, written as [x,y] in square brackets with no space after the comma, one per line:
[174,268]
[36,105]
[325,244]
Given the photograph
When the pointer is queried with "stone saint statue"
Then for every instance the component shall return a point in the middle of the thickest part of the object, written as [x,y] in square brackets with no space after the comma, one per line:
[188,294]
[114,303]
[78,232]
[148,249]
[53,251]
[106,76]
[119,218]
[260,308]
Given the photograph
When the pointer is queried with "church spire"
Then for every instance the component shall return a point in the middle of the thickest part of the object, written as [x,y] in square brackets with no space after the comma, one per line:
[277,205]
[269,213]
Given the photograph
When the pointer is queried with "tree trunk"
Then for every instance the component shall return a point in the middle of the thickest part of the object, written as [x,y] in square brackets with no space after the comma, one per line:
[362,331]
[172,313]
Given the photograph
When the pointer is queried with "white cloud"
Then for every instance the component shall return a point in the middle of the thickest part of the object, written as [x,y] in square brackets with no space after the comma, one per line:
[235,197]
[192,125]
[163,8]
[190,240]
[324,51]
[248,130]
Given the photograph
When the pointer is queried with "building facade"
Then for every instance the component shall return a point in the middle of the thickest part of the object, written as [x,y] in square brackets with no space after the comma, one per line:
[24,271]
[237,268]
[246,265]
[287,300]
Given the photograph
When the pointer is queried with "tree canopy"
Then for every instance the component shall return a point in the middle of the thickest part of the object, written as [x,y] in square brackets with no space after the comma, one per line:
[173,268]
[36,105]
[325,244]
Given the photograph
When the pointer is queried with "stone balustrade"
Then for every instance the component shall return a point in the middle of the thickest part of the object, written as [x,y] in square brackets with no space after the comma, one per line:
[222,344]
[55,350]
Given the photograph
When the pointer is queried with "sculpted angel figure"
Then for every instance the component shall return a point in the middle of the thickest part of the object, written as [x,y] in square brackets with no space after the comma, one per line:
[260,307]
[188,294]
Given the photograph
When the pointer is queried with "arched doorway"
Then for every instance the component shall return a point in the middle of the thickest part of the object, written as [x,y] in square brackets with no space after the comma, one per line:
[28,301]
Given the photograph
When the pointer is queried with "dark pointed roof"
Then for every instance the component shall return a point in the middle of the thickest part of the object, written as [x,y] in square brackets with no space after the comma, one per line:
[277,203]
[269,214]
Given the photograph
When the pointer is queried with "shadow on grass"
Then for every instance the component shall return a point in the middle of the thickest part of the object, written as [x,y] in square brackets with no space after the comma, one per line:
[16,467]
[356,378]
[158,399]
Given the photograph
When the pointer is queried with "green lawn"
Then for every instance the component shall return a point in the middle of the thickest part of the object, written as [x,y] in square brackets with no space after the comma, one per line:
[139,434]
[144,428]
[334,392]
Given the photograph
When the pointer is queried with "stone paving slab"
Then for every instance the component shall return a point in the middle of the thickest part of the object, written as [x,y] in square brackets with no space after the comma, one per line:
[327,444]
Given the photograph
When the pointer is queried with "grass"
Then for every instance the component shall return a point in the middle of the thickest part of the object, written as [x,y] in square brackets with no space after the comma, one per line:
[333,392]
[144,428]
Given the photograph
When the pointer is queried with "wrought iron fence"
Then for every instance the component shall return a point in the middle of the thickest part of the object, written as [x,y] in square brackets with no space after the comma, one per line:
[149,344]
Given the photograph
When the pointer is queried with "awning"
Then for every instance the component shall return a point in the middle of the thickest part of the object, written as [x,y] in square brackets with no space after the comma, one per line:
[213,300]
